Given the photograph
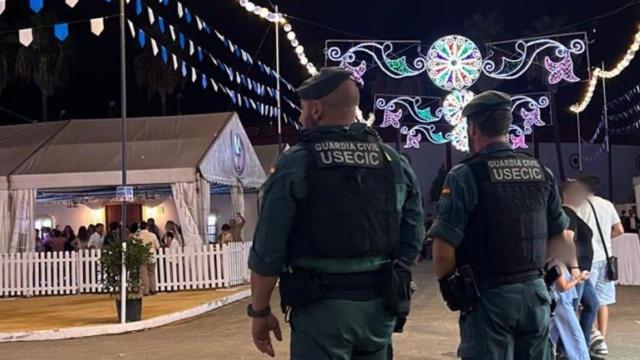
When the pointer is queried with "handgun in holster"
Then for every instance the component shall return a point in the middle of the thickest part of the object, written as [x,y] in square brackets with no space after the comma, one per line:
[460,290]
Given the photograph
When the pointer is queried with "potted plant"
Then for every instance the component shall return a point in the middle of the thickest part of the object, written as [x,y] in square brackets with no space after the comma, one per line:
[136,255]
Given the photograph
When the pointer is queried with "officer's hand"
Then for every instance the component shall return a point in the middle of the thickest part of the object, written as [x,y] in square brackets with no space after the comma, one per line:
[260,328]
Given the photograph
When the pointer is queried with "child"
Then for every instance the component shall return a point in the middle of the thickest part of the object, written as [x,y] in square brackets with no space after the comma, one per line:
[172,242]
[564,324]
[225,236]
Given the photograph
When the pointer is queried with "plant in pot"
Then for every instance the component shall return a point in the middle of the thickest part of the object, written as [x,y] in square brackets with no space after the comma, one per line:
[136,256]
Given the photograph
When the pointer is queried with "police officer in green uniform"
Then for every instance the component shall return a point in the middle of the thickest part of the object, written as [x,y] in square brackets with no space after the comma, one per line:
[339,209]
[498,212]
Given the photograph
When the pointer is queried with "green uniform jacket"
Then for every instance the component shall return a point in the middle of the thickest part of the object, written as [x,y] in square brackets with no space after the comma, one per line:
[286,189]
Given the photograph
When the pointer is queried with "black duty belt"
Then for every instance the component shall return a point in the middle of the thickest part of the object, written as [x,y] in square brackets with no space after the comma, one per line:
[489,282]
[363,286]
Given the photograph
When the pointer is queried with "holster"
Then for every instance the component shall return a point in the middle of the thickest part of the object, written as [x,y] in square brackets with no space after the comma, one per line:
[397,289]
[460,290]
[300,287]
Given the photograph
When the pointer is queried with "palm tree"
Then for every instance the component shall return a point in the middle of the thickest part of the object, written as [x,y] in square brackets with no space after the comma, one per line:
[156,77]
[45,61]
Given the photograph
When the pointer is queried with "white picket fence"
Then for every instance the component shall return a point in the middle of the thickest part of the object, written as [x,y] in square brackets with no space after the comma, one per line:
[63,273]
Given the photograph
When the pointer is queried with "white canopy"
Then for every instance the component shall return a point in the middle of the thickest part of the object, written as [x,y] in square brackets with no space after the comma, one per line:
[159,150]
[636,185]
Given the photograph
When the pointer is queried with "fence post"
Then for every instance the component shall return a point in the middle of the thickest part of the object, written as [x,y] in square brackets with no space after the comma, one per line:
[226,262]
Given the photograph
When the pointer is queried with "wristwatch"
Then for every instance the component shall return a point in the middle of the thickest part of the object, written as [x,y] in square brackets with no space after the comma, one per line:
[258,314]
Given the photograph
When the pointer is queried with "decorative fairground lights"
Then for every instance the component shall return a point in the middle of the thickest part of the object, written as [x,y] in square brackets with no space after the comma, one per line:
[454,63]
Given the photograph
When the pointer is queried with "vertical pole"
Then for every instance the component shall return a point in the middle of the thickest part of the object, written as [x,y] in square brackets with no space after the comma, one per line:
[578,126]
[123,114]
[607,139]
[277,27]
[556,131]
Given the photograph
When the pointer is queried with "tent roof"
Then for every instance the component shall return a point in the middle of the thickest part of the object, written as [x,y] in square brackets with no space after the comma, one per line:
[18,142]
[268,155]
[159,150]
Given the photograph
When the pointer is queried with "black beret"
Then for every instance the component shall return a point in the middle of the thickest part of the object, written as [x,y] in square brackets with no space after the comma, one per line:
[487,101]
[323,83]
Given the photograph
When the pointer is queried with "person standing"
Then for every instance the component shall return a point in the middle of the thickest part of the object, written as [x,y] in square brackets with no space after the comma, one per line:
[148,271]
[625,219]
[574,195]
[497,212]
[114,235]
[153,228]
[236,227]
[605,224]
[96,238]
[333,284]
[225,236]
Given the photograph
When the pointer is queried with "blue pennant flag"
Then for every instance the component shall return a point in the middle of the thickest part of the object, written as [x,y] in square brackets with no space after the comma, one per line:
[161,24]
[184,69]
[61,31]
[138,7]
[109,1]
[187,15]
[206,27]
[204,81]
[165,54]
[36,5]
[141,38]
[237,52]
[182,40]
[165,2]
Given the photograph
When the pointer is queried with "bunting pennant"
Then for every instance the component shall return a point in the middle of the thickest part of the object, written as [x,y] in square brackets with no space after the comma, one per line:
[184,69]
[36,5]
[25,36]
[138,7]
[97,26]
[70,3]
[174,58]
[61,31]
[198,22]
[131,28]
[154,47]
[191,48]
[165,54]
[181,40]
[3,5]
[187,15]
[161,24]
[204,81]
[173,32]
[141,38]
[152,18]
[194,75]
[180,10]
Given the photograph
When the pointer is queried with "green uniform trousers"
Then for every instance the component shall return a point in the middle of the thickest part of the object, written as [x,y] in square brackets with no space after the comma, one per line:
[341,330]
[510,322]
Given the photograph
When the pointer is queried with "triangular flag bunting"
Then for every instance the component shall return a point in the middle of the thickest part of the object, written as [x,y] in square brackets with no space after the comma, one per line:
[97,26]
[191,48]
[154,47]
[214,85]
[194,76]
[36,5]
[152,18]
[173,32]
[165,54]
[25,36]
[204,81]
[184,69]
[187,15]
[198,22]
[3,5]
[132,28]
[181,40]
[138,7]
[141,38]
[61,31]
[161,26]
[180,10]
[70,3]
[174,58]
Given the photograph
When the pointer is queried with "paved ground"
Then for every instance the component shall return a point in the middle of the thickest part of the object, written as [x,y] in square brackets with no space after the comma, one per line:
[224,334]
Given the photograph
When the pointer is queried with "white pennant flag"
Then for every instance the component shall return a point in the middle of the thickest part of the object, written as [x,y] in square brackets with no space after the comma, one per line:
[173,33]
[70,3]
[199,23]
[132,28]
[175,61]
[214,85]
[154,47]
[128,1]
[25,36]
[97,26]
[180,10]
[152,18]
[3,5]
[191,49]
[194,76]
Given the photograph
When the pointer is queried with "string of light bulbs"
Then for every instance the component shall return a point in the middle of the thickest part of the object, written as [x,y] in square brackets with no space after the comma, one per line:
[280,19]
[600,73]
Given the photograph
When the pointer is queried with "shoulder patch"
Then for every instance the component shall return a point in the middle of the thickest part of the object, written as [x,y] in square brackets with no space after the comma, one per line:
[330,153]
[446,191]
[515,170]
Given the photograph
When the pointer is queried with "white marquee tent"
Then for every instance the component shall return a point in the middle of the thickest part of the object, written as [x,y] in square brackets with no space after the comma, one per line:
[187,152]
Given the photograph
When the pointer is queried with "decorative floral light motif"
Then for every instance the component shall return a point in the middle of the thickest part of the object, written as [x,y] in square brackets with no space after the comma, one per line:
[518,141]
[531,118]
[453,105]
[391,118]
[459,137]
[356,71]
[561,70]
[413,140]
[454,62]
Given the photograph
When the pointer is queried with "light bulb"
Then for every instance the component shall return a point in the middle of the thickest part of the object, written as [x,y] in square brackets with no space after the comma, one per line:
[299,49]
[250,6]
[243,2]
[256,10]
[291,35]
[304,61]
[264,12]
[295,42]
[287,27]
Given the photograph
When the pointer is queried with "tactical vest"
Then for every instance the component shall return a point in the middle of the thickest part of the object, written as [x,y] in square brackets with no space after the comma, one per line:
[506,235]
[350,209]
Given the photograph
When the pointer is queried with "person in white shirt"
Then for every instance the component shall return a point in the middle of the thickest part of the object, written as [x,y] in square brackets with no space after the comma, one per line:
[97,238]
[148,271]
[611,227]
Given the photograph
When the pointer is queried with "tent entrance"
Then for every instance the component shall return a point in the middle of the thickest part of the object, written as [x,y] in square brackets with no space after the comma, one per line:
[113,213]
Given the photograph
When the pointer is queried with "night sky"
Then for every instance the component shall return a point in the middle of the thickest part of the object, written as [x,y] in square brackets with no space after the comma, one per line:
[93,66]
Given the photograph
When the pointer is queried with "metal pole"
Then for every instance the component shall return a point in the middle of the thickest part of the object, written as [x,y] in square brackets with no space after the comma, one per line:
[123,114]
[579,141]
[606,129]
[277,27]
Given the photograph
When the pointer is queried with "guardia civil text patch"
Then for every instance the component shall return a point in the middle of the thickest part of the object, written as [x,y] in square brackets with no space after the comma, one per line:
[515,170]
[348,153]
